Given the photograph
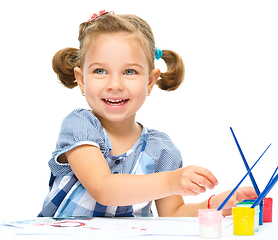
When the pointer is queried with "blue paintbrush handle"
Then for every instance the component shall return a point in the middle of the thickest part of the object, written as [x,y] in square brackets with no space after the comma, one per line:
[246,164]
[271,177]
[265,192]
[232,192]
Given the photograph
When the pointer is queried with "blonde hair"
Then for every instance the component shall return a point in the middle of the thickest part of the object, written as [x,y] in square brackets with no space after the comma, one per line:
[65,60]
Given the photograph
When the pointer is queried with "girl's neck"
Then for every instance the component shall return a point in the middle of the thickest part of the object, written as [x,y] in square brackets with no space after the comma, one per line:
[119,128]
[123,135]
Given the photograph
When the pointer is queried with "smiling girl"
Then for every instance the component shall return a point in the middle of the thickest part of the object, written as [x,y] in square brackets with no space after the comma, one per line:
[105,163]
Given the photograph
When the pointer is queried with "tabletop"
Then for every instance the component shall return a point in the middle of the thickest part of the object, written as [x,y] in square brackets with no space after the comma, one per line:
[120,228]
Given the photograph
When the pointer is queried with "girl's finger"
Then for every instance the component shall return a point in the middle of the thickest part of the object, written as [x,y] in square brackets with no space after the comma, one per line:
[202,181]
[187,191]
[205,173]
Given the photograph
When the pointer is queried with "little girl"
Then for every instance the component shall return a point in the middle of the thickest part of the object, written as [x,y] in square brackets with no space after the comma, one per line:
[105,163]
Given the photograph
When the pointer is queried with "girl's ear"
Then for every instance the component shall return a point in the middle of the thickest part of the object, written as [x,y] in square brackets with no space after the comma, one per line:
[78,73]
[154,75]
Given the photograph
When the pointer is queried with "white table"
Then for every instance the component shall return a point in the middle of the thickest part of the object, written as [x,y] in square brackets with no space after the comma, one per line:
[121,228]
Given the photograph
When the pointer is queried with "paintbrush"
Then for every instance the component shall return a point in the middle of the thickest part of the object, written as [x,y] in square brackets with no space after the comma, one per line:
[246,164]
[233,191]
[265,191]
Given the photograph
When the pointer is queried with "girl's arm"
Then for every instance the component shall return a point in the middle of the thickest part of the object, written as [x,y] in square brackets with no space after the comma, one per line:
[92,170]
[173,206]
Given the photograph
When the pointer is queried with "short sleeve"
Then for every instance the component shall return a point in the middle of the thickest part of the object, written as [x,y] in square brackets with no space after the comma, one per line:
[80,127]
[166,155]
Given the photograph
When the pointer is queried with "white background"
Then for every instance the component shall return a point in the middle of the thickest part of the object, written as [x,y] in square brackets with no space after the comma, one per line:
[230,52]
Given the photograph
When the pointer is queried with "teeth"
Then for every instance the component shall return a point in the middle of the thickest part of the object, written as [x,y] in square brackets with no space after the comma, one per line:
[115,102]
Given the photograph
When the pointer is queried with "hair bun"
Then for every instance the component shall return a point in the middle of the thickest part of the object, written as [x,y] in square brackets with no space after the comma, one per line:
[63,64]
[173,77]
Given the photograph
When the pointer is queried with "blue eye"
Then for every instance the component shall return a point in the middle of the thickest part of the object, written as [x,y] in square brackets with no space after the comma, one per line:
[130,72]
[100,71]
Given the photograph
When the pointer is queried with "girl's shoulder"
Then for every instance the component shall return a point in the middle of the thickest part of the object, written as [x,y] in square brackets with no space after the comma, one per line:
[155,135]
[82,115]
[79,127]
[160,140]
[163,151]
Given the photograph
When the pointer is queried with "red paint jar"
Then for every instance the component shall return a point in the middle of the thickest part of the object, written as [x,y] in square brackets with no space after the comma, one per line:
[267,217]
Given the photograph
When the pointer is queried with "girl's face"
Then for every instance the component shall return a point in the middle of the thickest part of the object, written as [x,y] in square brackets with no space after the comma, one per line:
[115,77]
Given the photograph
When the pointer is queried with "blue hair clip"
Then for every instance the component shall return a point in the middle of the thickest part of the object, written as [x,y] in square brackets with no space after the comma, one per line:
[158,53]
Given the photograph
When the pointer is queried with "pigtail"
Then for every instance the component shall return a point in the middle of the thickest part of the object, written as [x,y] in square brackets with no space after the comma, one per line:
[63,64]
[173,77]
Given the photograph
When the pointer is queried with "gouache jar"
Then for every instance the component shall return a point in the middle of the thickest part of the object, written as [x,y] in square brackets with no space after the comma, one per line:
[267,210]
[257,211]
[243,221]
[210,223]
[261,204]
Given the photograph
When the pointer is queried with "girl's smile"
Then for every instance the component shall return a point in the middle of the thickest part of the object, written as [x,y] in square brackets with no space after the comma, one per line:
[115,104]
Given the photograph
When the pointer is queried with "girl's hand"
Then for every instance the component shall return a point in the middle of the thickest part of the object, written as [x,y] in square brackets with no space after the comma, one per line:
[192,180]
[241,194]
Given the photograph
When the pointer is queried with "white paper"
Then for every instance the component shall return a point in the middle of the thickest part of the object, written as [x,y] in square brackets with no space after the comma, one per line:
[100,228]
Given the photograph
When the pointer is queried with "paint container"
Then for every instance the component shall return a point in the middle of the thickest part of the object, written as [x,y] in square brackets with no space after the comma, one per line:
[243,221]
[267,210]
[210,223]
[246,203]
[261,205]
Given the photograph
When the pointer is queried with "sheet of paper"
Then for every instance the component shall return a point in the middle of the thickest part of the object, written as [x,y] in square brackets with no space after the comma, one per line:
[101,228]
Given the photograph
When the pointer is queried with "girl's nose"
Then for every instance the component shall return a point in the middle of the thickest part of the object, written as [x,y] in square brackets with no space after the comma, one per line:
[115,83]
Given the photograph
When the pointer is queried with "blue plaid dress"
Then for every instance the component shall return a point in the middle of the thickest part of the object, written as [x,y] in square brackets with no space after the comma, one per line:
[153,152]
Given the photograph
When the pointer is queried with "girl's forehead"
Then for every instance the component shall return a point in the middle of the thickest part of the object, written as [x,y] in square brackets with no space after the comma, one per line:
[114,43]
[128,38]
[134,39]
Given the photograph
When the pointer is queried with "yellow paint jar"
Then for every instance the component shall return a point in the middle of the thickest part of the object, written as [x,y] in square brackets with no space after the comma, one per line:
[249,203]
[244,220]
